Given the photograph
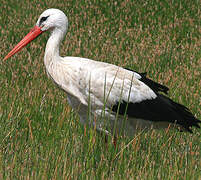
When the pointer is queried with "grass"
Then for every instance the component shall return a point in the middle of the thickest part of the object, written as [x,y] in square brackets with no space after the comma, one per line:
[41,137]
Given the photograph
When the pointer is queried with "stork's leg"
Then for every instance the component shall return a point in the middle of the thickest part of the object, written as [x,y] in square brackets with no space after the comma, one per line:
[106,135]
[114,140]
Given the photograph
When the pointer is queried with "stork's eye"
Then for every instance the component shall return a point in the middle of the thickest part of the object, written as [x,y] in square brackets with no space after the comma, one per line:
[43,19]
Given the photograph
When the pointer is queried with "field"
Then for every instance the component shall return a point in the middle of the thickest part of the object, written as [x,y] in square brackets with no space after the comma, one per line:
[40,135]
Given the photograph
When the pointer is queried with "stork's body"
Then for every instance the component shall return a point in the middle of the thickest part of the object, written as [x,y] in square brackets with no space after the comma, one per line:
[111,98]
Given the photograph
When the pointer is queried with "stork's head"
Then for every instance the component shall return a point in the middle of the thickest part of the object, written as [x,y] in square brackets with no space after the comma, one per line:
[51,19]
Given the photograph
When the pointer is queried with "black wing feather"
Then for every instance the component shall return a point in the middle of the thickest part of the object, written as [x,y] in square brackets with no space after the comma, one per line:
[156,87]
[159,109]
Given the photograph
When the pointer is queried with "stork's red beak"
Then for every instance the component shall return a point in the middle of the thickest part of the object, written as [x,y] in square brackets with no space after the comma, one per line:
[35,32]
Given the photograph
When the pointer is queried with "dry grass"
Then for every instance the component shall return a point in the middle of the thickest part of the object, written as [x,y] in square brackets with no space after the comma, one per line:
[40,135]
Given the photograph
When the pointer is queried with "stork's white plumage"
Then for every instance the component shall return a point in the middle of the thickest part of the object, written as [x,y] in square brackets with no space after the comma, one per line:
[106,96]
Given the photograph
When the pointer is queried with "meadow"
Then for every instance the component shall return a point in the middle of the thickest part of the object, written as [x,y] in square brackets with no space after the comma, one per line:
[41,136]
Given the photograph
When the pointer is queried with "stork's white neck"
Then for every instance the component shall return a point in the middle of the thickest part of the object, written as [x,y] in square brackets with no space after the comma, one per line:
[52,47]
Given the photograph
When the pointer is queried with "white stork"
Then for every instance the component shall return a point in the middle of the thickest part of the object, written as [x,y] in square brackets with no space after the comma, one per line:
[108,97]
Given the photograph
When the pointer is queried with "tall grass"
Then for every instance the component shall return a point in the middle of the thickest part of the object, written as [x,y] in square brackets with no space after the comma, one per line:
[41,137]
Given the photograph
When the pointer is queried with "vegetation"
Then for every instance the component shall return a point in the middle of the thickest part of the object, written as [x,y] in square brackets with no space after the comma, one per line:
[41,137]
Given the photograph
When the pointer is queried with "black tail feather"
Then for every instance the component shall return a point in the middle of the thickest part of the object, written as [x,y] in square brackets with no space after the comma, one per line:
[187,119]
